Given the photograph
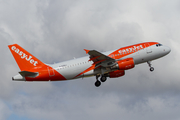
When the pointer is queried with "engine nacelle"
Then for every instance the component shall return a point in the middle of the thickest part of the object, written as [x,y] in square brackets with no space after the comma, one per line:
[115,74]
[124,64]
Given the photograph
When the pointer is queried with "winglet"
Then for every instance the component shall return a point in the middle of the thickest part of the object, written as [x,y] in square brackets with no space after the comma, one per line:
[86,51]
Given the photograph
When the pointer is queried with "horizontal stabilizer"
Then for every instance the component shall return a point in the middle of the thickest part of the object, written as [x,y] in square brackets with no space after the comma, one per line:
[28,74]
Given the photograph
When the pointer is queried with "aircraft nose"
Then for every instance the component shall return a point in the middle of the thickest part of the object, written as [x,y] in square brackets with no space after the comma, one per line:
[167,50]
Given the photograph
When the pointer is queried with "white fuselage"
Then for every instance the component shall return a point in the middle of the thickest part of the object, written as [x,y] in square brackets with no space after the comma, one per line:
[70,69]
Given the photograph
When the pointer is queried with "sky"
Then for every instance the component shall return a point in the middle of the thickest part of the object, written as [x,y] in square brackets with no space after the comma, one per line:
[58,30]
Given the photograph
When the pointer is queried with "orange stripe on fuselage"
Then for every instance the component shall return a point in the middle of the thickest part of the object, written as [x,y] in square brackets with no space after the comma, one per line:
[44,74]
[87,70]
[125,51]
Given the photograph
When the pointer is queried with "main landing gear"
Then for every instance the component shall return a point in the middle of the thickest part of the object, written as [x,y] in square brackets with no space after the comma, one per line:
[151,68]
[98,83]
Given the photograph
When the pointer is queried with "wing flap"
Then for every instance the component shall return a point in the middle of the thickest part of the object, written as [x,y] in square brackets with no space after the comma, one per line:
[99,58]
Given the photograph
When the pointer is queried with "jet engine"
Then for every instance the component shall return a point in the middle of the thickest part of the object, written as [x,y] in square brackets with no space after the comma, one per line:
[125,64]
[115,74]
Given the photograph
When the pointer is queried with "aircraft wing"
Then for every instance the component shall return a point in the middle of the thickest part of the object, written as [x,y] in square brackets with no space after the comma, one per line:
[100,59]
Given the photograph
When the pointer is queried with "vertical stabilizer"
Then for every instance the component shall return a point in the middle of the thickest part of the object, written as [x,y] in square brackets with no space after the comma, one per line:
[24,59]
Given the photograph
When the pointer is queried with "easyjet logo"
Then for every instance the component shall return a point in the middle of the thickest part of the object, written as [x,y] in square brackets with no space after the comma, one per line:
[24,56]
[131,49]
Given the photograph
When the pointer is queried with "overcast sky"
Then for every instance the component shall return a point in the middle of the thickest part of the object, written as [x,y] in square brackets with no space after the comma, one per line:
[58,30]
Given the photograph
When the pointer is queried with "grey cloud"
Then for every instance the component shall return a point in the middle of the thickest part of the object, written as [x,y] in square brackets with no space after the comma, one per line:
[55,31]
[102,106]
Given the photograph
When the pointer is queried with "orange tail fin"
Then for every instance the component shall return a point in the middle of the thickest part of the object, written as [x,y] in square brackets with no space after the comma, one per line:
[24,59]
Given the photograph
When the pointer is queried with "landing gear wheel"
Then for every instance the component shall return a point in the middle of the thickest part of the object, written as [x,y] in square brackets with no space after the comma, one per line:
[97,83]
[151,69]
[103,79]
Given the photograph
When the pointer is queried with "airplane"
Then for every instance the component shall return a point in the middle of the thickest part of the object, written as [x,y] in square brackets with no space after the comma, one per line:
[110,64]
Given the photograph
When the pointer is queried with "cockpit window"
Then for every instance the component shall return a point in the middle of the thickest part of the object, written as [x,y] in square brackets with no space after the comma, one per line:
[159,45]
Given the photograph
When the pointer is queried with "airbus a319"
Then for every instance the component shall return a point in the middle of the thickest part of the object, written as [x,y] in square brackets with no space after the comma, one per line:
[110,64]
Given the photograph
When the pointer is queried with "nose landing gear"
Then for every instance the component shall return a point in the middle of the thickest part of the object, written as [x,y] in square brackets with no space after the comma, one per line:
[151,68]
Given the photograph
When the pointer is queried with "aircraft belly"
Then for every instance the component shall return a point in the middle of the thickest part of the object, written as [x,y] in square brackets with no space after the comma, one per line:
[90,73]
[75,72]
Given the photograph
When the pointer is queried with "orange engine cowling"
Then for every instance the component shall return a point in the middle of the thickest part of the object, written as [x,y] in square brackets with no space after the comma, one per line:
[125,64]
[117,73]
